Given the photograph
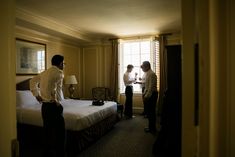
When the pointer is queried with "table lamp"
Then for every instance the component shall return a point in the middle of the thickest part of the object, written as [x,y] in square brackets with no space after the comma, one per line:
[71,80]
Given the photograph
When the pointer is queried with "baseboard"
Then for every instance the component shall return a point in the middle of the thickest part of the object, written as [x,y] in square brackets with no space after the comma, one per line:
[138,110]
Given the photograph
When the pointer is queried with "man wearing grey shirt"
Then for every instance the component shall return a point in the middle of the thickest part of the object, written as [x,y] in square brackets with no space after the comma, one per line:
[150,96]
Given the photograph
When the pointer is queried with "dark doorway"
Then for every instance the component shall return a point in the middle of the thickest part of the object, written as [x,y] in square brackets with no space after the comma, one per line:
[168,142]
[174,98]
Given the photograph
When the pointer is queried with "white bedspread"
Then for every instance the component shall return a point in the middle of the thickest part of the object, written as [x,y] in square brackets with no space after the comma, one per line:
[78,114]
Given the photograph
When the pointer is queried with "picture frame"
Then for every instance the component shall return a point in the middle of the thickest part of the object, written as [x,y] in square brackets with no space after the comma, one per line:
[30,57]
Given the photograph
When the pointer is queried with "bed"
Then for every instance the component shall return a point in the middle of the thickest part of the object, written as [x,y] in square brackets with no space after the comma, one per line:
[84,122]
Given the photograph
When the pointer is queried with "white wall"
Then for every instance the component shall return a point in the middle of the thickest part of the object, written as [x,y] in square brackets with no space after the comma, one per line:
[189,138]
[54,46]
[96,61]
[215,34]
[7,83]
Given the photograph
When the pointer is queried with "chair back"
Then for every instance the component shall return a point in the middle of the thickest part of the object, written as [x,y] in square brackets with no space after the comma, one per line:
[101,93]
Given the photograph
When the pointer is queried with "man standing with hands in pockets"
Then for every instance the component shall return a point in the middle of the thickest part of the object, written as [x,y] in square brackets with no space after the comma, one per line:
[150,96]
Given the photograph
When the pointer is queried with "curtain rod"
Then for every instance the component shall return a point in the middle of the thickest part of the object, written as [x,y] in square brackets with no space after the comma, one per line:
[134,37]
[163,34]
[113,38]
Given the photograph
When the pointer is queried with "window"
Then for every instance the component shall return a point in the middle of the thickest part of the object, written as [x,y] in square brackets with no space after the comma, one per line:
[40,58]
[135,52]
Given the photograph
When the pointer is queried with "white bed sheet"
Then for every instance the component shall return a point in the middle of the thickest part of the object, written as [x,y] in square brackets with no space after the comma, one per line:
[78,114]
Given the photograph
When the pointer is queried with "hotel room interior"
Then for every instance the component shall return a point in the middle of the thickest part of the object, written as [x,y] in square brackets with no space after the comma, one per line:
[202,31]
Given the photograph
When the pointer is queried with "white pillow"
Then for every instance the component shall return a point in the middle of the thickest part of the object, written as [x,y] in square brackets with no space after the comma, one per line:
[25,97]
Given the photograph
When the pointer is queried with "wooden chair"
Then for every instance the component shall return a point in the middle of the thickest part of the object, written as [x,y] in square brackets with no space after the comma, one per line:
[101,93]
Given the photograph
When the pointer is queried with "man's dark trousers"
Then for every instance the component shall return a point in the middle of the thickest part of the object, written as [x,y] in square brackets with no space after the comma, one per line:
[128,103]
[151,110]
[54,130]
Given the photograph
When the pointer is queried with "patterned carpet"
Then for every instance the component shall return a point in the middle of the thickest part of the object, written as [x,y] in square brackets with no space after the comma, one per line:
[126,139]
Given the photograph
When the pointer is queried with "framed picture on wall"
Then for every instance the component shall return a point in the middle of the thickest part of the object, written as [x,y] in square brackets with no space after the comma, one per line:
[30,57]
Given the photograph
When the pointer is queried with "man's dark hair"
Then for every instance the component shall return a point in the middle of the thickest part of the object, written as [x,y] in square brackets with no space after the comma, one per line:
[57,60]
[130,66]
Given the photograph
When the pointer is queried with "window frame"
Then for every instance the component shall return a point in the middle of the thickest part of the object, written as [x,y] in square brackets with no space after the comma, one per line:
[154,44]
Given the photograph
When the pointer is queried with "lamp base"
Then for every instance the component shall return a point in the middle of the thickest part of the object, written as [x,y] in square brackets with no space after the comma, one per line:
[71,91]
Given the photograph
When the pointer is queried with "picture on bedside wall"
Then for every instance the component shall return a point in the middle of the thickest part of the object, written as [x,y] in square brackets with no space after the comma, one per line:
[30,57]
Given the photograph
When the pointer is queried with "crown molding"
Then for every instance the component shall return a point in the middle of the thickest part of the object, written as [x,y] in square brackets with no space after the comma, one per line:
[26,33]
[30,20]
[104,42]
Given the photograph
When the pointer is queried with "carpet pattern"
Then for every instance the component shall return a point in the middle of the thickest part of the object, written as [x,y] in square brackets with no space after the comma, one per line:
[126,139]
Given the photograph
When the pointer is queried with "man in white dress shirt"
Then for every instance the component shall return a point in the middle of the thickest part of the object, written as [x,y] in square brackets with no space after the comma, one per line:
[128,81]
[150,96]
[47,88]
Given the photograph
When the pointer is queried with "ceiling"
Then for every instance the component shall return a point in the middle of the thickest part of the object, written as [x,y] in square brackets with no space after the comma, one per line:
[99,19]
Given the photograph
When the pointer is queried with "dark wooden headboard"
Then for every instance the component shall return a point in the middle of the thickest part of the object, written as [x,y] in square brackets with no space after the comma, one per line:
[24,85]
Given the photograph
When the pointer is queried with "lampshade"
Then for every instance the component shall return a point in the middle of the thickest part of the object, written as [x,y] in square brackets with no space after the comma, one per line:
[71,79]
